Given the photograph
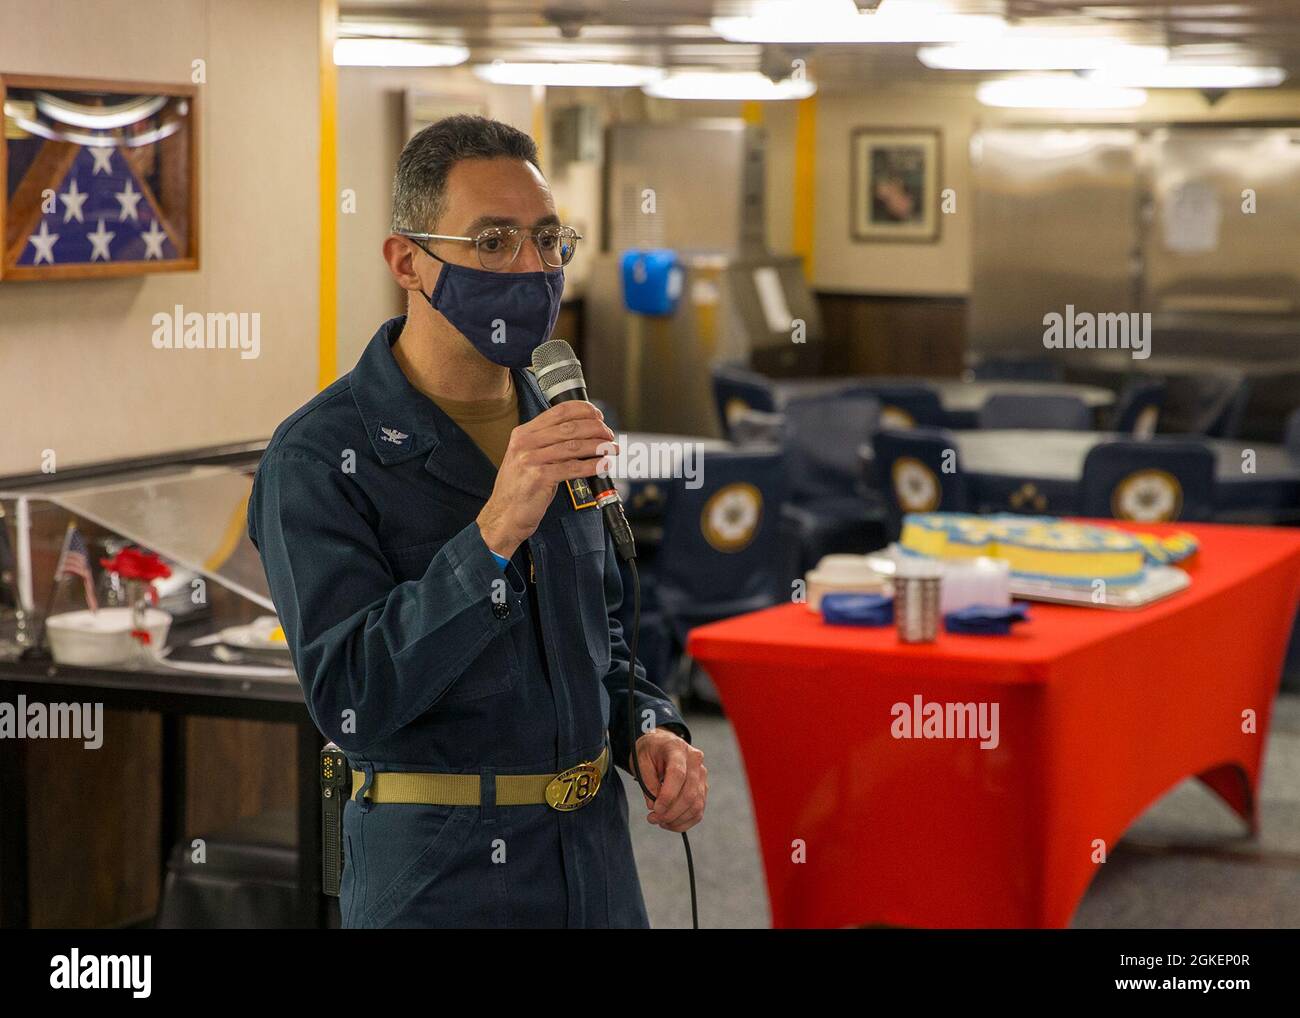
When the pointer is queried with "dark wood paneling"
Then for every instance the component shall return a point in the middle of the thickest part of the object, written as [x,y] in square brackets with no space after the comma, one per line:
[92,825]
[882,335]
[238,769]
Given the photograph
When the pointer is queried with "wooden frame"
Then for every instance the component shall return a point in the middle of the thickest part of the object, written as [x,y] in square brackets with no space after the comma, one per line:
[187,259]
[866,223]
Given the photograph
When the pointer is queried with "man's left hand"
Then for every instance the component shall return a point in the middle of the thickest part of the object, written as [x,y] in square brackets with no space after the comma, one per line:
[674,772]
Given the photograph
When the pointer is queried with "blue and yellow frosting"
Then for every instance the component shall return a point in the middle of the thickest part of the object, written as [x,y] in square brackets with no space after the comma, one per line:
[1043,547]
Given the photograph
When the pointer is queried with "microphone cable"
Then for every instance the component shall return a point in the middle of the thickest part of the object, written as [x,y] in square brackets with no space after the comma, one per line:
[632,728]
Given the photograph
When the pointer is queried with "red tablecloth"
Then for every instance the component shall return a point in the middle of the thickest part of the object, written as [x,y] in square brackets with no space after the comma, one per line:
[1099,714]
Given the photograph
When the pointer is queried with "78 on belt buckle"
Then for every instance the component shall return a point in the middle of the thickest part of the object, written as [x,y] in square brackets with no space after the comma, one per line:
[574,788]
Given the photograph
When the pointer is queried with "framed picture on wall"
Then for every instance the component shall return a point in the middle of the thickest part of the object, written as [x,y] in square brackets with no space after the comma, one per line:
[97,178]
[895,184]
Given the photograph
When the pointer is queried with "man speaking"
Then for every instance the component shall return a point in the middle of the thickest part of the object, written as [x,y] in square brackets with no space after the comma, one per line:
[450,610]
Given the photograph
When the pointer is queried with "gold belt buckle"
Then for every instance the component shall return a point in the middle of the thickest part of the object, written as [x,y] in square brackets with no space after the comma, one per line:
[574,788]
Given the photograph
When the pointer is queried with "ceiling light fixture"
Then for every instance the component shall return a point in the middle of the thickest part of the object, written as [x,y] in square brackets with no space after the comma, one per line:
[1035,91]
[735,86]
[839,21]
[1039,53]
[396,53]
[1177,75]
[578,75]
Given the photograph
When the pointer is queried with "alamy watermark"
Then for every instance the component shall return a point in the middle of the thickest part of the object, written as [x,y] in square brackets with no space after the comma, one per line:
[77,971]
[944,720]
[216,330]
[639,460]
[23,720]
[1084,330]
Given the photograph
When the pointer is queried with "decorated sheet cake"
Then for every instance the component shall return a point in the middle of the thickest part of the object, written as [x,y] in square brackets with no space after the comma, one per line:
[1043,547]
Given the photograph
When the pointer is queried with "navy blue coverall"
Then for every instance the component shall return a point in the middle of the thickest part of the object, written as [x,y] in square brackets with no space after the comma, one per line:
[363,510]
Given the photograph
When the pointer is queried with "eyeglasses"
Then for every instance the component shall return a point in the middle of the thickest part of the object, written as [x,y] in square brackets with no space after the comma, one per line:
[498,246]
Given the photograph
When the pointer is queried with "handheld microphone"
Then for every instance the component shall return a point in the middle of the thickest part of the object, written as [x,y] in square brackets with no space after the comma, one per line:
[559,374]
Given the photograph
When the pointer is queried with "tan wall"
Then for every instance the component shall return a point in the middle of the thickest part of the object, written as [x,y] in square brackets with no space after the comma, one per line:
[843,264]
[839,262]
[67,347]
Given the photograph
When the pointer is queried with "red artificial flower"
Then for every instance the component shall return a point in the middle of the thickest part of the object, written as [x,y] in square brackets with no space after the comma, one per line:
[134,564]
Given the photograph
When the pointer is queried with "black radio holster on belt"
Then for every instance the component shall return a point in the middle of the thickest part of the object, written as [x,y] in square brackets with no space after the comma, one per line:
[335,788]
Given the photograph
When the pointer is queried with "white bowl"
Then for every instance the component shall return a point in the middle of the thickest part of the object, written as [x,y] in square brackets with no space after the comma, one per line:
[843,566]
[843,574]
[104,637]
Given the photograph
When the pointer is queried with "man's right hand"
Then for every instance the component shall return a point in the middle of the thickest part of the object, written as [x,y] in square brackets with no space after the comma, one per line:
[561,444]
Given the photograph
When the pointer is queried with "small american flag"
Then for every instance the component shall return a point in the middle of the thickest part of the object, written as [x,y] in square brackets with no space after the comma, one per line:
[75,559]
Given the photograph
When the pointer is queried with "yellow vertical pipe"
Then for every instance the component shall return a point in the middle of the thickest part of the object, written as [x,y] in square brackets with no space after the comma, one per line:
[539,120]
[327,352]
[752,113]
[805,182]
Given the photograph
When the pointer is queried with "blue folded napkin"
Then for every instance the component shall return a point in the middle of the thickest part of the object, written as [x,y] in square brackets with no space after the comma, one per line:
[858,609]
[985,620]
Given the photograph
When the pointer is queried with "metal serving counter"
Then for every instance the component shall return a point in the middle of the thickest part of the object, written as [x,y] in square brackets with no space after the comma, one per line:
[190,509]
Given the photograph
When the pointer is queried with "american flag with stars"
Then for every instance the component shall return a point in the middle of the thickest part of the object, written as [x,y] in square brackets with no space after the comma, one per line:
[99,213]
[75,559]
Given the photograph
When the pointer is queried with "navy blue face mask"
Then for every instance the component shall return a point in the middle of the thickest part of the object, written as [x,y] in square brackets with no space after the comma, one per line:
[506,315]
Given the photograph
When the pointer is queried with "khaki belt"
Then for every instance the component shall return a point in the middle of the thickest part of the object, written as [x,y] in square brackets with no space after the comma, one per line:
[566,791]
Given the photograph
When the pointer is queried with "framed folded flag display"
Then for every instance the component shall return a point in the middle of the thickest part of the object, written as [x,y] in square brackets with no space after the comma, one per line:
[97,178]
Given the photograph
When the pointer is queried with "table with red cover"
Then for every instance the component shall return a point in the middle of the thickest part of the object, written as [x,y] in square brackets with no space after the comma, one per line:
[1100,713]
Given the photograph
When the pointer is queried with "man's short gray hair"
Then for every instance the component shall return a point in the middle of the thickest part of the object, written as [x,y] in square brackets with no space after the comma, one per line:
[420,184]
